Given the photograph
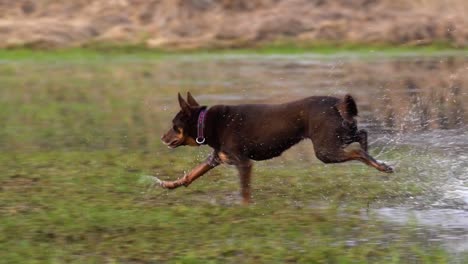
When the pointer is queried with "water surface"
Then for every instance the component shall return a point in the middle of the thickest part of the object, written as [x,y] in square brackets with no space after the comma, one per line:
[411,103]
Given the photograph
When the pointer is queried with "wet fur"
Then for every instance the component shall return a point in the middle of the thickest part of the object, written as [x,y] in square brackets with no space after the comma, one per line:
[241,133]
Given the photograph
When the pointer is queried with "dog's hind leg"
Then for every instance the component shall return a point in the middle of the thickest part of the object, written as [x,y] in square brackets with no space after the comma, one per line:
[354,151]
[211,162]
[245,173]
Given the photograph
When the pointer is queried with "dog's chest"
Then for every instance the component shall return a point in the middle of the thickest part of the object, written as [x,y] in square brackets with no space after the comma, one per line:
[226,158]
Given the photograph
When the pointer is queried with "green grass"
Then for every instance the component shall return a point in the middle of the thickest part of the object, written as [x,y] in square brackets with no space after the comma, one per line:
[353,48]
[92,207]
[103,52]
[77,137]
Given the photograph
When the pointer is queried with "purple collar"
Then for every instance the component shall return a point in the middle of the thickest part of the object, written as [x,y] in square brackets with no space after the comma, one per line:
[200,127]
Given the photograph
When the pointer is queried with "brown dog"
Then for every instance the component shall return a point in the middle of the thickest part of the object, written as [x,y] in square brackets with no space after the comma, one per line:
[241,133]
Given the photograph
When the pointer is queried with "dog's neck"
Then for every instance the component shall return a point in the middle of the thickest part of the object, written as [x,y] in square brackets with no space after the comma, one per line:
[200,139]
[209,126]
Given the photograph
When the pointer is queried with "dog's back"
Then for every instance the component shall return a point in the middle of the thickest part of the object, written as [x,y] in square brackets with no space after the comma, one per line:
[264,131]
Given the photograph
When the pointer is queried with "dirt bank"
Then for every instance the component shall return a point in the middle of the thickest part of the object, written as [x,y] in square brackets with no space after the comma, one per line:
[231,23]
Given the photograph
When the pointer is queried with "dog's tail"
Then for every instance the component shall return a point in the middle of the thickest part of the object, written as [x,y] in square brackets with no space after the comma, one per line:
[347,108]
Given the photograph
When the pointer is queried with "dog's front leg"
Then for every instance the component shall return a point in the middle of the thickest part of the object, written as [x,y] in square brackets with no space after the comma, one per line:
[195,173]
[245,173]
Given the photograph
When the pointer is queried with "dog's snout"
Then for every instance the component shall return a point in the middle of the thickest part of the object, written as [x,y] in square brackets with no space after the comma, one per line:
[164,139]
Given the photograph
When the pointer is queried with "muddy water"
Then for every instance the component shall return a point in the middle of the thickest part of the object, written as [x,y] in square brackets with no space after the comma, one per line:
[407,102]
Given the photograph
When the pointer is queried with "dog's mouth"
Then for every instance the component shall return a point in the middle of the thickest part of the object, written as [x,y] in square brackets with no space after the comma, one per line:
[173,144]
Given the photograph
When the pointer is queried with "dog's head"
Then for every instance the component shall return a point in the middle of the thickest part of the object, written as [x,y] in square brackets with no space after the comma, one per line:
[184,124]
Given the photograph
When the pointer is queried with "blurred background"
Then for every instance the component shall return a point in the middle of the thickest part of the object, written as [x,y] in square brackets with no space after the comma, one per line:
[88,87]
[231,23]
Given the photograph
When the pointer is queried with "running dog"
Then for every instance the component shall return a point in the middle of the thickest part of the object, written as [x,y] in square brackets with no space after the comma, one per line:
[239,134]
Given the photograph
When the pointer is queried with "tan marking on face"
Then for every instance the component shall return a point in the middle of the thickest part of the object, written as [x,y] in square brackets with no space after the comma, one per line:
[180,136]
[186,140]
[174,136]
[181,133]
[190,141]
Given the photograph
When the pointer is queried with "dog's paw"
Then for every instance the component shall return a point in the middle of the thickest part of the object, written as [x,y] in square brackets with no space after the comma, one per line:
[389,169]
[385,168]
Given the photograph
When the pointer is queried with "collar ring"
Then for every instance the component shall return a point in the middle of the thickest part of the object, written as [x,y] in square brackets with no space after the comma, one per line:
[200,140]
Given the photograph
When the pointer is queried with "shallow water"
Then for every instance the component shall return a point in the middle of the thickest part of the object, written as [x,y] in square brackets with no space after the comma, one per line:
[405,102]
[416,102]
[419,103]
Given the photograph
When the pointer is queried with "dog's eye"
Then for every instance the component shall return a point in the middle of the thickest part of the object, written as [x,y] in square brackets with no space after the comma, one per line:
[175,128]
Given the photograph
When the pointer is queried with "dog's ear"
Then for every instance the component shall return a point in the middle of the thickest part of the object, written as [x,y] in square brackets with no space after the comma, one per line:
[184,105]
[347,108]
[191,101]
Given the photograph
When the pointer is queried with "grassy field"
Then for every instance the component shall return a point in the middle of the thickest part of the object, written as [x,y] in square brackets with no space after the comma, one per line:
[78,138]
[95,207]
[96,52]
